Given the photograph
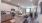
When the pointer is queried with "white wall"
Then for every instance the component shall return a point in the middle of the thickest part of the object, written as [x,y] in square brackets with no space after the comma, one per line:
[0,12]
[40,18]
[40,15]
[7,7]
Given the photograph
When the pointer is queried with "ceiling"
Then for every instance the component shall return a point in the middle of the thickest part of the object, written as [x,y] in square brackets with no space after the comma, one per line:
[22,3]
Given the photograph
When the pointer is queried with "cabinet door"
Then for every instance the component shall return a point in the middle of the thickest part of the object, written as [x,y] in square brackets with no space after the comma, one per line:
[8,16]
[3,18]
[41,7]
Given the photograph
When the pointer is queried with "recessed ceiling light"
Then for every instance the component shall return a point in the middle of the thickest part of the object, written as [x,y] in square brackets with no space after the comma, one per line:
[18,4]
[30,0]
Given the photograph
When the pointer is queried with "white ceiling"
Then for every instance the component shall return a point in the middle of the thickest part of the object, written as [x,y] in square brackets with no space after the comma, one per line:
[24,3]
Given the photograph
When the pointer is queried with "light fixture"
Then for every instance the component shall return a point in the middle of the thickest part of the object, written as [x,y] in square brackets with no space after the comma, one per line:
[18,4]
[30,0]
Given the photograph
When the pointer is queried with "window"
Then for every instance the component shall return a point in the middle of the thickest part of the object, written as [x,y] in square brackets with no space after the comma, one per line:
[28,10]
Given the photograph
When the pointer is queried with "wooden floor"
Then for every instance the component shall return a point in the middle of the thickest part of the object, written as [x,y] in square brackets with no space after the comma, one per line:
[6,22]
[13,20]
[9,21]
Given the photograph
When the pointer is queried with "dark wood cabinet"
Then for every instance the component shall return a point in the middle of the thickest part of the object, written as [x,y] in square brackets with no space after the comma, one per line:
[6,17]
[41,6]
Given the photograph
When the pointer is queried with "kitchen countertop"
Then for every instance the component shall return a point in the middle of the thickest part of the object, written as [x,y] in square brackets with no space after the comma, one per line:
[19,19]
